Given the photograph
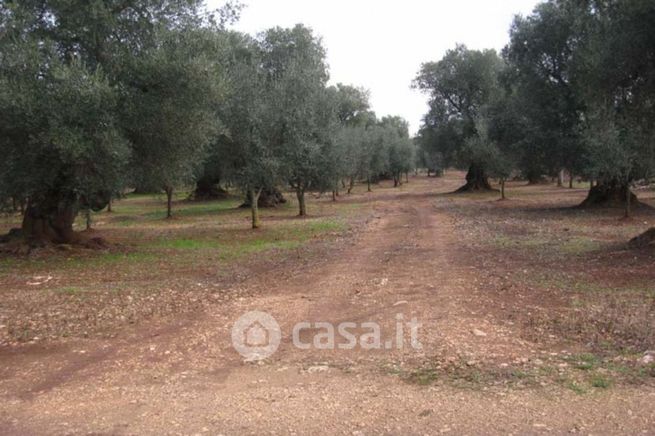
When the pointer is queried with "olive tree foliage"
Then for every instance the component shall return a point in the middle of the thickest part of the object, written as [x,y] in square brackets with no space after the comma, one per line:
[484,149]
[542,55]
[169,115]
[618,84]
[249,144]
[354,117]
[350,144]
[399,147]
[583,79]
[280,117]
[294,60]
[67,143]
[459,86]
[61,145]
[352,112]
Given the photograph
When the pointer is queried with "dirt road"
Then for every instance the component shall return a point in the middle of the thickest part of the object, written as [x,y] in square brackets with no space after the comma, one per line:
[184,377]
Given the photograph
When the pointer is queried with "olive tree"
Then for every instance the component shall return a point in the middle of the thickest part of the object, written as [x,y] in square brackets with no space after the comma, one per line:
[459,85]
[170,110]
[60,141]
[294,60]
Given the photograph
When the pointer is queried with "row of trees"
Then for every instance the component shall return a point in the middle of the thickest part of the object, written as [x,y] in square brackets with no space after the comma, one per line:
[574,90]
[98,96]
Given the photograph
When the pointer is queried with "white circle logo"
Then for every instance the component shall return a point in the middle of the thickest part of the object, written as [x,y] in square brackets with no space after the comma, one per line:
[256,336]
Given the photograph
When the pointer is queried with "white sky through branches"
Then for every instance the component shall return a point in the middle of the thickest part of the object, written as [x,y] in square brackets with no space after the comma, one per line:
[380,45]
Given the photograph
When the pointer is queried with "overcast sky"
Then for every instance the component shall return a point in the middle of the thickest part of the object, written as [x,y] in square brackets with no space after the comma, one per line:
[380,44]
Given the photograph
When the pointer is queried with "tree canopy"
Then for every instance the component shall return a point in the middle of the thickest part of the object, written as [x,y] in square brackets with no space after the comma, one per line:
[100,96]
[573,91]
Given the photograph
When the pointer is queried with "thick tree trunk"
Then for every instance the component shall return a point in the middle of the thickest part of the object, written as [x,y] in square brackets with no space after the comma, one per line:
[334,195]
[476,180]
[502,189]
[267,198]
[560,179]
[254,207]
[50,223]
[169,201]
[302,209]
[611,194]
[109,205]
[208,188]
[535,177]
[368,184]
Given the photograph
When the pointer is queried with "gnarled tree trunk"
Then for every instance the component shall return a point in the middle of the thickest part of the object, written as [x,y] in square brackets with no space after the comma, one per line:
[50,222]
[208,188]
[611,194]
[476,180]
[49,218]
[268,198]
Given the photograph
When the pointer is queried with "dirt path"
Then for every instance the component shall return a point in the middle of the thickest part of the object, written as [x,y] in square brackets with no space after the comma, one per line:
[185,377]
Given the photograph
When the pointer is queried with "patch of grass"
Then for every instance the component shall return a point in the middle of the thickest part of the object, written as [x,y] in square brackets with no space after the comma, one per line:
[570,247]
[6,263]
[585,362]
[258,246]
[194,209]
[422,376]
[585,285]
[600,381]
[326,226]
[70,290]
[520,374]
[578,246]
[113,258]
[504,241]
[576,387]
[187,244]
